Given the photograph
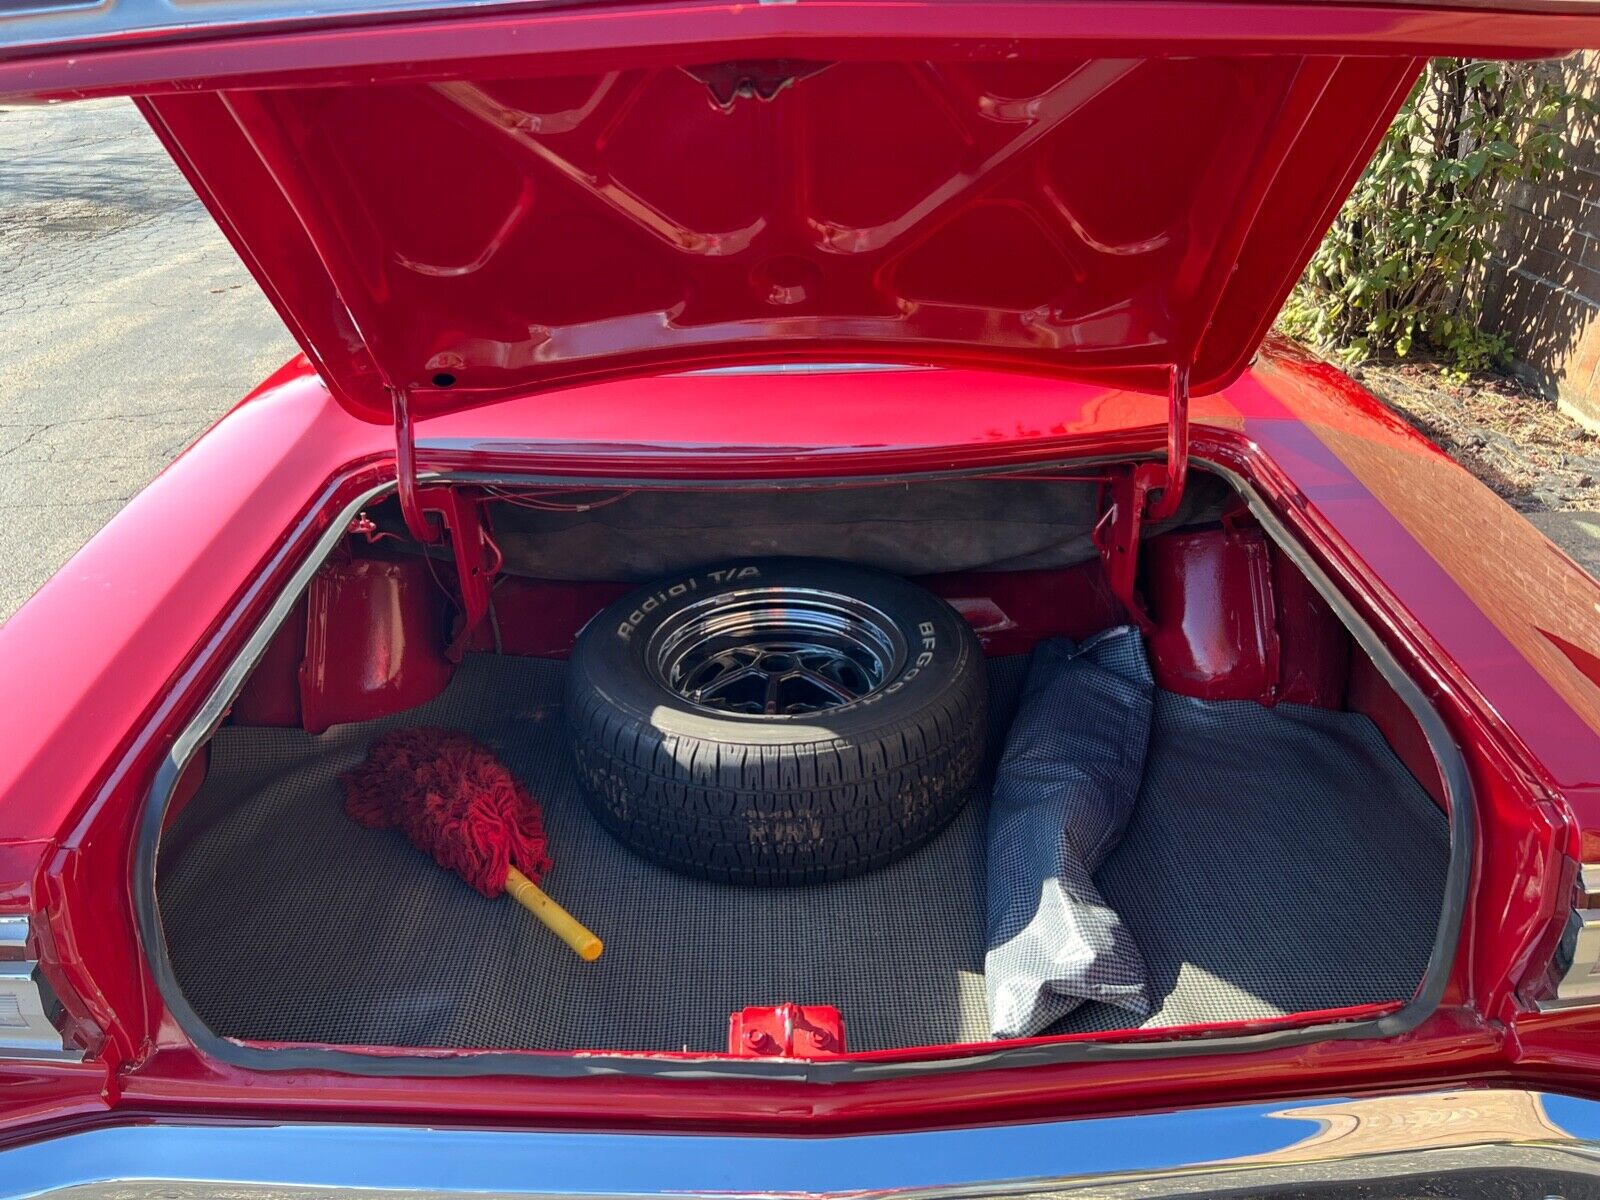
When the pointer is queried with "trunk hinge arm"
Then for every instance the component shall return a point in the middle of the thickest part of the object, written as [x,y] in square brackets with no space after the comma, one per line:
[460,514]
[1145,491]
[405,468]
[1177,465]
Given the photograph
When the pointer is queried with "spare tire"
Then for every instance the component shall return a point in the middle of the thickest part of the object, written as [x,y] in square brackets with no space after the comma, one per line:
[777,721]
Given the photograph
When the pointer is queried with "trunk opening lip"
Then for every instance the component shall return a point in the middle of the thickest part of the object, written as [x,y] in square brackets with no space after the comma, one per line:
[893,1064]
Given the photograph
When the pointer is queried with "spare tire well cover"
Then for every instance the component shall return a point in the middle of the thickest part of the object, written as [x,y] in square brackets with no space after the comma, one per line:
[777,720]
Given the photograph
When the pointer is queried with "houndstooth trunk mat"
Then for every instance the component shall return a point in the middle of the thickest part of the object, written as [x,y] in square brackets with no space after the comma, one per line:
[1279,860]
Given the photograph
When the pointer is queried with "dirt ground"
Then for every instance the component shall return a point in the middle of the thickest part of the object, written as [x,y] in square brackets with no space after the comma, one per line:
[1515,440]
[1541,461]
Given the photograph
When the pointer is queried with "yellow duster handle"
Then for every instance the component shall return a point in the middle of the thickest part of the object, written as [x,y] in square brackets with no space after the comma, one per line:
[557,919]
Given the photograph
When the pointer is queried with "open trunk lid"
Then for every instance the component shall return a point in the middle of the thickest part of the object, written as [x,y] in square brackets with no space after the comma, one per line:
[485,236]
[454,206]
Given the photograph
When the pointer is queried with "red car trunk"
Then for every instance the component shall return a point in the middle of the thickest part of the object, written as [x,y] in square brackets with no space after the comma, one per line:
[283,922]
[479,231]
[452,208]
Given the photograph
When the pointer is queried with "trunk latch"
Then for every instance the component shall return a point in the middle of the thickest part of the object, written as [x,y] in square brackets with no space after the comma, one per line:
[786,1031]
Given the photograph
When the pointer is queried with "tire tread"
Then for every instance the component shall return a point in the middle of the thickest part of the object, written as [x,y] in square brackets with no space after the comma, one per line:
[671,803]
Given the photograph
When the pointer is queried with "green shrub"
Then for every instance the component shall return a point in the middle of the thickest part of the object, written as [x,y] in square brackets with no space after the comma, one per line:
[1403,264]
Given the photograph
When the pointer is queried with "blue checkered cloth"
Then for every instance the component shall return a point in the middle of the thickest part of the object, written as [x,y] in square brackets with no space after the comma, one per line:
[1063,792]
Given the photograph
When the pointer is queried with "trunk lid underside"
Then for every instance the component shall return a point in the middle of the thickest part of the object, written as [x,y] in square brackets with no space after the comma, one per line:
[455,206]
[469,239]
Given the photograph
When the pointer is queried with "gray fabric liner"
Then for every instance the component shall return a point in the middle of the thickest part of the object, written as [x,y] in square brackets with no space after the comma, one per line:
[1249,876]
[924,528]
[1063,792]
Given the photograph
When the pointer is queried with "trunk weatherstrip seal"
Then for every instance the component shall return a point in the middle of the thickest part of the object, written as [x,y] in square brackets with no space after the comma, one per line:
[579,1064]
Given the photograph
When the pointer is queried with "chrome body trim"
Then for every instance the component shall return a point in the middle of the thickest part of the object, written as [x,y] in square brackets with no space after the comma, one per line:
[1578,959]
[1589,883]
[27,1026]
[1478,1140]
[1580,945]
[13,936]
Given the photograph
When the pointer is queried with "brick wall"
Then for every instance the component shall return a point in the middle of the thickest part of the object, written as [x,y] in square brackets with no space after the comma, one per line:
[1542,289]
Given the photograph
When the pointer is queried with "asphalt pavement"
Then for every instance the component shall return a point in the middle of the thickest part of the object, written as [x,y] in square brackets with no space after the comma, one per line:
[128,325]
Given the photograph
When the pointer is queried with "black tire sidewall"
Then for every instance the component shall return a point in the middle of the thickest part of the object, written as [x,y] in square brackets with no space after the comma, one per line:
[611,655]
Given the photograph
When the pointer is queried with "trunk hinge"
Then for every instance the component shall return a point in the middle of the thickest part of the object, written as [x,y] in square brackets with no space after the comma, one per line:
[1177,465]
[1146,491]
[405,469]
[459,514]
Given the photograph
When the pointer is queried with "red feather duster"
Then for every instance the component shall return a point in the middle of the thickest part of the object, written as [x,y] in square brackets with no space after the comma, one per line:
[453,800]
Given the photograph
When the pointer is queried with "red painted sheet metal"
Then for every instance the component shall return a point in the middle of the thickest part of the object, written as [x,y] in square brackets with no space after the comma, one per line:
[1372,696]
[1446,1049]
[1235,619]
[786,1031]
[1215,617]
[375,636]
[102,646]
[673,208]
[271,696]
[1462,574]
[104,643]
[1482,581]
[1010,610]
[112,640]
[1314,652]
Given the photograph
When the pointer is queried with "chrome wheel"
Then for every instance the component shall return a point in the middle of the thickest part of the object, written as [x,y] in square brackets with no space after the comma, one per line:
[776,652]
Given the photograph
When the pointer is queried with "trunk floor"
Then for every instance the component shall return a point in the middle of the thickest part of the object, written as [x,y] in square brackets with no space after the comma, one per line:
[1279,860]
